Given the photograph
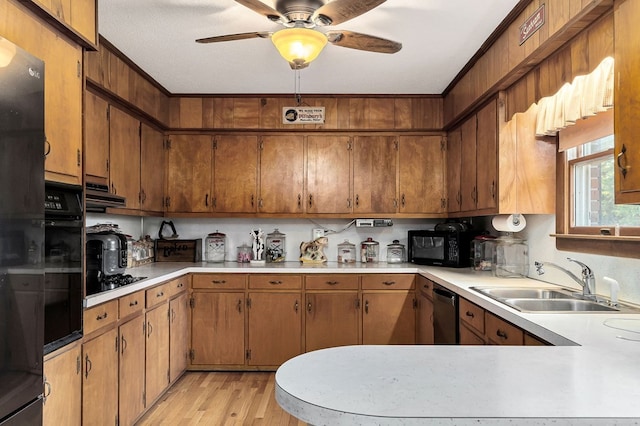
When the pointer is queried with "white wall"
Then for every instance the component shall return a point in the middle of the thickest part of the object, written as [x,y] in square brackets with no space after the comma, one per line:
[539,227]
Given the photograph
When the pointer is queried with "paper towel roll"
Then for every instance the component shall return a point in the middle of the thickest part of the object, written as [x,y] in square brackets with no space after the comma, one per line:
[509,222]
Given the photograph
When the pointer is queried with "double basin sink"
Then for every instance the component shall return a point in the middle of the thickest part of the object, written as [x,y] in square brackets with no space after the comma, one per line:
[545,300]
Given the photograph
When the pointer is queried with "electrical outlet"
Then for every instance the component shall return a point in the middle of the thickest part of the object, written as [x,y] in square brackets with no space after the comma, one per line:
[317,233]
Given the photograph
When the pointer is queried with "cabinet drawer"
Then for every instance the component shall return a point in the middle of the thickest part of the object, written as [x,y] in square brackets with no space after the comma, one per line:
[158,294]
[425,286]
[388,281]
[331,282]
[131,304]
[275,282]
[501,332]
[178,285]
[469,337]
[472,314]
[100,316]
[219,281]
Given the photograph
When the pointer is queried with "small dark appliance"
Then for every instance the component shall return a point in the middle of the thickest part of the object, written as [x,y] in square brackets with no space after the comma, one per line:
[448,244]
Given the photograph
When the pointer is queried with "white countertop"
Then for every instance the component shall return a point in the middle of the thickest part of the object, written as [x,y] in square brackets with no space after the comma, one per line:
[591,377]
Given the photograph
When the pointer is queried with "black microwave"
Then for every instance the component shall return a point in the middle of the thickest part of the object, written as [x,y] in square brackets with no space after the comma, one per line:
[451,248]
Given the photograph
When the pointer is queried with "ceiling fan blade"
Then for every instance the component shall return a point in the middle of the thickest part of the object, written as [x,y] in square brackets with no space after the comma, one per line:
[231,37]
[263,9]
[361,41]
[339,11]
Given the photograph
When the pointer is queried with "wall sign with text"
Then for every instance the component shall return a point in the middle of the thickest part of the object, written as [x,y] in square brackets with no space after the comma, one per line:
[303,115]
[532,24]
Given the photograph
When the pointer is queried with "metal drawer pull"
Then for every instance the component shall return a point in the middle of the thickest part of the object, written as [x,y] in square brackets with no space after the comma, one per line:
[470,314]
[366,306]
[388,282]
[309,307]
[501,334]
[101,317]
[87,366]
[160,294]
[332,282]
[134,303]
[275,282]
[218,281]
[623,169]
[239,305]
[295,306]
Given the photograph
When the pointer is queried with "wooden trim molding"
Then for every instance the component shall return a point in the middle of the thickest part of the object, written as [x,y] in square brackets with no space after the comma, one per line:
[628,247]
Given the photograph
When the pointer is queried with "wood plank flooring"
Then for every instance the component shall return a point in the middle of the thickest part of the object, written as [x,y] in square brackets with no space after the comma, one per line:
[220,398]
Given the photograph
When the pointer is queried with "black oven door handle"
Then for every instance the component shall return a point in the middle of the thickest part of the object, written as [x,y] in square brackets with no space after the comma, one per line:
[62,223]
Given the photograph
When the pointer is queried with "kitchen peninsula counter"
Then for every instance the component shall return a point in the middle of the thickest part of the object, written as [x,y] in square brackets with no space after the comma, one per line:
[591,376]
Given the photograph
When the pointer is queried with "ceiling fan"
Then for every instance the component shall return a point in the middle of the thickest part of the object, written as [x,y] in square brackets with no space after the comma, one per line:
[300,42]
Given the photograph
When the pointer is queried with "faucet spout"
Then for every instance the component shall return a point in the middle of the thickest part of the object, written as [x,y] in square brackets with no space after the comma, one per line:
[588,281]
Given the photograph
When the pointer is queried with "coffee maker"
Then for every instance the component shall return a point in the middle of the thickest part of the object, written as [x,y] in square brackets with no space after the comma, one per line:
[106,260]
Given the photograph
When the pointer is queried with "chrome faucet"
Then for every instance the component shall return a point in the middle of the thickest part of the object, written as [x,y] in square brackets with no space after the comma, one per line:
[588,281]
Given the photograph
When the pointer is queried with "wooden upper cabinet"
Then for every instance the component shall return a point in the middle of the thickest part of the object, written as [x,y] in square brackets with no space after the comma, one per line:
[468,188]
[626,93]
[96,124]
[328,174]
[124,156]
[375,160]
[77,15]
[235,175]
[152,169]
[487,157]
[281,174]
[189,173]
[454,166]
[421,162]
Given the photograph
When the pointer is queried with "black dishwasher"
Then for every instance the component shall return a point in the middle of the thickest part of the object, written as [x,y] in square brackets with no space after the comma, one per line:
[445,316]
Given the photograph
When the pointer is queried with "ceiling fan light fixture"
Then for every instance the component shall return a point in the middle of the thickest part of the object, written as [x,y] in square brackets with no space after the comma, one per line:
[299,46]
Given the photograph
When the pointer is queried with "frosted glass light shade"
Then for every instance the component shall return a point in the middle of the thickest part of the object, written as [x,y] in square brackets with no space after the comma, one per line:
[299,46]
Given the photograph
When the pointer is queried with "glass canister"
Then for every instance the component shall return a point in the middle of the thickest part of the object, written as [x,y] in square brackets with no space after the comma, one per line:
[369,251]
[275,246]
[346,252]
[244,253]
[395,252]
[482,248]
[511,257]
[215,246]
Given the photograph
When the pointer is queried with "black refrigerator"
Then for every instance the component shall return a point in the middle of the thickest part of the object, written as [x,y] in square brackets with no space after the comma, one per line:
[22,146]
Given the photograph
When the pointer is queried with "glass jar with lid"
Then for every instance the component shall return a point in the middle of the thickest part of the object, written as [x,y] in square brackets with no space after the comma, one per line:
[369,251]
[244,253]
[215,246]
[482,251]
[275,246]
[346,252]
[395,252]
[511,257]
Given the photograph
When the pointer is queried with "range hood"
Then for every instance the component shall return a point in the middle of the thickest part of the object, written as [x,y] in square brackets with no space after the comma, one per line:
[98,198]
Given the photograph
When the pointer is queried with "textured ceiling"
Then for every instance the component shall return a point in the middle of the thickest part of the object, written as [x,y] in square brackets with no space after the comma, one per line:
[438,37]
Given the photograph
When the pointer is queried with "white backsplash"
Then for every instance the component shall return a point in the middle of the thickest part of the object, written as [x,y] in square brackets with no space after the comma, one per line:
[537,233]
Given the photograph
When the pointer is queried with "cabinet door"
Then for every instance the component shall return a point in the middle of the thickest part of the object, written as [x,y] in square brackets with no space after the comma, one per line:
[100,381]
[281,174]
[454,166]
[152,167]
[235,175]
[132,371]
[157,351]
[328,174]
[189,173]
[178,336]
[124,156]
[627,109]
[422,169]
[63,387]
[424,326]
[83,18]
[275,328]
[96,124]
[487,157]
[331,320]
[217,328]
[63,109]
[388,318]
[468,188]
[374,174]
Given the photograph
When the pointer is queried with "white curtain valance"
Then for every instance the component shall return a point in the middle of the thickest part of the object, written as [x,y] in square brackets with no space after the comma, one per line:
[586,96]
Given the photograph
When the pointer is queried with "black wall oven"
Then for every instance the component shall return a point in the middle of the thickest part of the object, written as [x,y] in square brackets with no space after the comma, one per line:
[63,254]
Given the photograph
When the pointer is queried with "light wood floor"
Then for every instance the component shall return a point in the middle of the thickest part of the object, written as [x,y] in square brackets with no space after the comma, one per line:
[220,398]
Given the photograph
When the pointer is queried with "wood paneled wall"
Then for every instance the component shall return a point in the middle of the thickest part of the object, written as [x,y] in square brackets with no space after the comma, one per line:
[341,112]
[506,61]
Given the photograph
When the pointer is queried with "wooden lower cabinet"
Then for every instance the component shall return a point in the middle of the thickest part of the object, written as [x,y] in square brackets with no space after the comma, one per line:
[389,318]
[332,319]
[178,336]
[131,370]
[63,384]
[100,379]
[274,327]
[157,351]
[424,321]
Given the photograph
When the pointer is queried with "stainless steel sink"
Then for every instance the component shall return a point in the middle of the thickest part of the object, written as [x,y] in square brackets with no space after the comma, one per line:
[524,293]
[548,300]
[558,305]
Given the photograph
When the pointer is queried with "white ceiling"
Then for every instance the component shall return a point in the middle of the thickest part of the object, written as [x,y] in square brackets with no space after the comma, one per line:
[438,37]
